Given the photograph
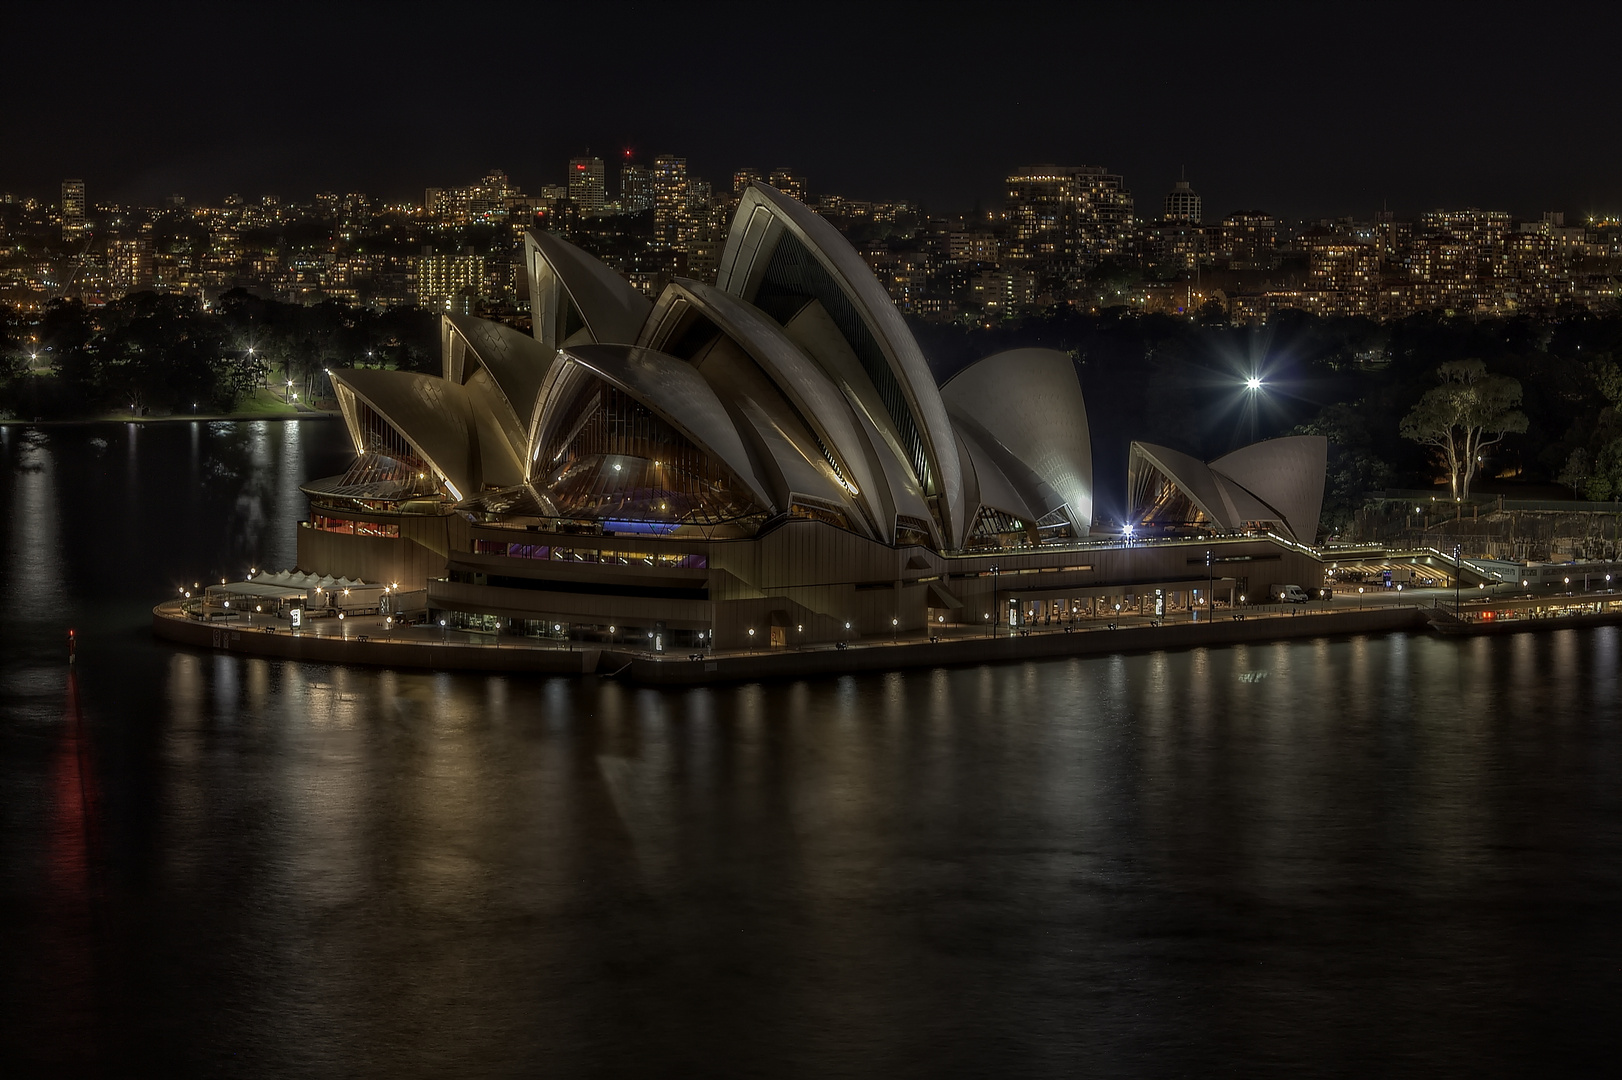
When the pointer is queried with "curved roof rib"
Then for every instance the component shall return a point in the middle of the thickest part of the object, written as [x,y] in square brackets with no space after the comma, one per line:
[432,414]
[1191,475]
[569,291]
[1287,474]
[805,385]
[1026,409]
[665,385]
[778,255]
[988,485]
[793,476]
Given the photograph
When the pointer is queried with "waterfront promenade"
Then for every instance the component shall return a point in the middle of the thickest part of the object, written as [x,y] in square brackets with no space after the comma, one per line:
[375,640]
[371,640]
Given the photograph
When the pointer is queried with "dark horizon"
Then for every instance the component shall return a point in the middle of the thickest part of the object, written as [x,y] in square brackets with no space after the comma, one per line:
[1303,113]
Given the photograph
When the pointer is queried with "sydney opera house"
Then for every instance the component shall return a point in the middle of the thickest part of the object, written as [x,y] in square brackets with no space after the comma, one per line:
[768,461]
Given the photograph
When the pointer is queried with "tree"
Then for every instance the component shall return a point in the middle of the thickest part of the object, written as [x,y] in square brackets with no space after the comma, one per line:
[1354,470]
[1469,412]
[1604,481]
[1577,472]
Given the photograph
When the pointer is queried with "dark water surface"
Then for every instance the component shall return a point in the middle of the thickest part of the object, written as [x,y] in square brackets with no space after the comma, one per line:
[1372,856]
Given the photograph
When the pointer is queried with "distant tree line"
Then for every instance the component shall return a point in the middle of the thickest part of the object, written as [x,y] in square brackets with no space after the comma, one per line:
[154,354]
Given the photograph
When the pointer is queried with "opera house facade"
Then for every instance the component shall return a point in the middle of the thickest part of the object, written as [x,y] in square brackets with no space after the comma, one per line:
[766,461]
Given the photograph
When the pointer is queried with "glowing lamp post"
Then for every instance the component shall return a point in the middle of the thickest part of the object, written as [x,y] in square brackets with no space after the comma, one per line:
[996,616]
[1458,572]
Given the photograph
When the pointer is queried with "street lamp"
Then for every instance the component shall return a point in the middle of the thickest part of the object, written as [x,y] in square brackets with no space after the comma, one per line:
[1210,577]
[996,615]
[1458,572]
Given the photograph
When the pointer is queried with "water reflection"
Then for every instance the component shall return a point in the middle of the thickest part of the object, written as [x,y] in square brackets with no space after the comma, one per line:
[1264,857]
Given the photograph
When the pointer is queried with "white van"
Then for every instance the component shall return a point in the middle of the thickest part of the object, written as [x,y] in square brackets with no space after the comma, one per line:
[1289,594]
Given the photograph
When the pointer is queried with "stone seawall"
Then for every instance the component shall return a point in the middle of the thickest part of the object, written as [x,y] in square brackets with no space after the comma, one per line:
[781,664]
[398,654]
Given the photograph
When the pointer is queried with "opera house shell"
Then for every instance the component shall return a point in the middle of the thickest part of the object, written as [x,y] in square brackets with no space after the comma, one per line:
[766,460]
[1276,485]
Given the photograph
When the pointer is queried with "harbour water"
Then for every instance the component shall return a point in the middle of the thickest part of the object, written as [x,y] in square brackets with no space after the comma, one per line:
[1392,855]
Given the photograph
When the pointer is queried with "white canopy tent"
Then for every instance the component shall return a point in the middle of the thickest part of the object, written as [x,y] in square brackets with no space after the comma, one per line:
[300,588]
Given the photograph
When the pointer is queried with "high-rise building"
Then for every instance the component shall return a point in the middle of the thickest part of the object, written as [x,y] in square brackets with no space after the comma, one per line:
[129,263]
[1246,239]
[73,220]
[1068,214]
[1182,204]
[672,216]
[1344,273]
[586,184]
[743,178]
[636,188]
[788,182]
[487,200]
[972,246]
[483,203]
[443,280]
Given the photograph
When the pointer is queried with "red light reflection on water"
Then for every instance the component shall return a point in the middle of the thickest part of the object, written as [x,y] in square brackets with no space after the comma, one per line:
[67,938]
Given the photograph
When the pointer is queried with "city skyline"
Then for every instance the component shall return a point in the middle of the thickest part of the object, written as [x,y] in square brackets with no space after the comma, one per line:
[1301,113]
[1153,196]
[1071,236]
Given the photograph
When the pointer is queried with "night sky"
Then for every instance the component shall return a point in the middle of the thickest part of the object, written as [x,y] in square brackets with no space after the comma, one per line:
[1299,109]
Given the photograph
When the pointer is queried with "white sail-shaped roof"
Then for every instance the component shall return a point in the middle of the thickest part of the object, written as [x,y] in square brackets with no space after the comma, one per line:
[1287,474]
[669,388]
[1277,482]
[1025,407]
[791,387]
[516,362]
[432,414]
[987,486]
[778,253]
[574,298]
[806,387]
